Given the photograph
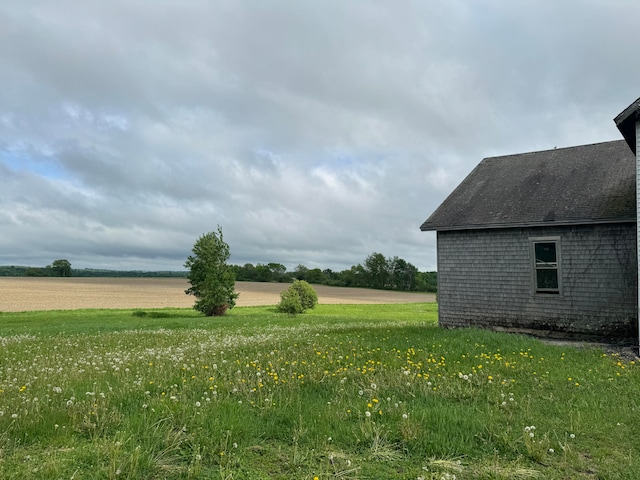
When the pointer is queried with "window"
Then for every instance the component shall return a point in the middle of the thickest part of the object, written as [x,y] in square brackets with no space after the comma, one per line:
[546,266]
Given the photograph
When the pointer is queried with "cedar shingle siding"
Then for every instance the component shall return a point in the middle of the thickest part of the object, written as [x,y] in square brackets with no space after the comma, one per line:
[485,279]
[584,198]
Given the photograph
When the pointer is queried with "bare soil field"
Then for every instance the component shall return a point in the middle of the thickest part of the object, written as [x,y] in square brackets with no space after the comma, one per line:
[19,294]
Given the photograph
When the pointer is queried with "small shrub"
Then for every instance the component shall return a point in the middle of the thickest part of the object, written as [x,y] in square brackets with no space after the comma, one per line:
[290,302]
[308,295]
[300,296]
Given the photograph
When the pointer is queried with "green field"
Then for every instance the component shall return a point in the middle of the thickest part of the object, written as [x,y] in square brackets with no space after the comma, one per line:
[344,391]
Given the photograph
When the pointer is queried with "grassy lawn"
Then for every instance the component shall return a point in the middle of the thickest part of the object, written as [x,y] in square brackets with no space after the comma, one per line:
[343,391]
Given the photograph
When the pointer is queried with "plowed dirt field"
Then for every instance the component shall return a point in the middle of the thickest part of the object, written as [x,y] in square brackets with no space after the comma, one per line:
[19,294]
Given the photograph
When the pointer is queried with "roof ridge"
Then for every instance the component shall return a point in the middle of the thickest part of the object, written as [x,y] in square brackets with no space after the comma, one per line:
[556,149]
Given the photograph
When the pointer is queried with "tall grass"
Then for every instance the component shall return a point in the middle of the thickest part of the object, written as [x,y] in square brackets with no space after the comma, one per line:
[340,392]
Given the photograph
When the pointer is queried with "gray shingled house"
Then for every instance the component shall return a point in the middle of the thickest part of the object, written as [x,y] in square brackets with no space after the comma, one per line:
[544,241]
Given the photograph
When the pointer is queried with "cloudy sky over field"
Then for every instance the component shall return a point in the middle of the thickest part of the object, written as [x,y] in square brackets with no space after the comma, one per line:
[312,132]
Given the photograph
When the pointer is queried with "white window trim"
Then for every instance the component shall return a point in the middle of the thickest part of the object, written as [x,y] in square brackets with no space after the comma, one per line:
[534,283]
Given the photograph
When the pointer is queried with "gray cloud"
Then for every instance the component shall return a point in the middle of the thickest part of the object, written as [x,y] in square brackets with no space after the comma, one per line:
[313,133]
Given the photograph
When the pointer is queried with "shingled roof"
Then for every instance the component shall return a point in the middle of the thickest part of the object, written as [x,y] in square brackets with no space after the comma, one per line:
[565,186]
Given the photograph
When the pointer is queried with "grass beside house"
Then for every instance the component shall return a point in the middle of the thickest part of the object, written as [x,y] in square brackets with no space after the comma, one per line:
[343,391]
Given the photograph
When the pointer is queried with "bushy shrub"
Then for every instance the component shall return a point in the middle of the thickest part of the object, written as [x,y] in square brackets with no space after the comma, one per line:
[290,302]
[300,296]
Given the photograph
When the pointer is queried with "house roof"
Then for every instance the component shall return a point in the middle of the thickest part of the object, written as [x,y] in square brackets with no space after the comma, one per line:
[626,123]
[565,186]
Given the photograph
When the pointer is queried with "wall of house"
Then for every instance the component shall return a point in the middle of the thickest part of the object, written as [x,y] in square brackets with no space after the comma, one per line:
[485,279]
[638,196]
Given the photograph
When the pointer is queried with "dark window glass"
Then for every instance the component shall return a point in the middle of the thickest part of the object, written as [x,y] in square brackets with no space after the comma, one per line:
[547,279]
[546,267]
[545,253]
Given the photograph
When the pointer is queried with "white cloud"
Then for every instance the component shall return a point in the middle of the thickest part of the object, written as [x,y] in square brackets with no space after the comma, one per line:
[313,133]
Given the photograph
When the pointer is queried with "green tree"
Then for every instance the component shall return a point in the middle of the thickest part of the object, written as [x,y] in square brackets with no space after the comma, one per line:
[61,268]
[278,271]
[403,274]
[377,271]
[245,273]
[212,280]
[301,272]
[263,273]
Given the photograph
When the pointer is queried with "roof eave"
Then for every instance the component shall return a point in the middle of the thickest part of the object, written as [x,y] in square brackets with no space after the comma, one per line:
[626,123]
[442,228]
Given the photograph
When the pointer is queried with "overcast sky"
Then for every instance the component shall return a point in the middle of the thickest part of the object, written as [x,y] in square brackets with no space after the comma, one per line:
[313,133]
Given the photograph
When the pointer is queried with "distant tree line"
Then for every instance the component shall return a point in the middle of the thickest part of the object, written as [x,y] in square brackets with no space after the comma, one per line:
[58,269]
[376,272]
